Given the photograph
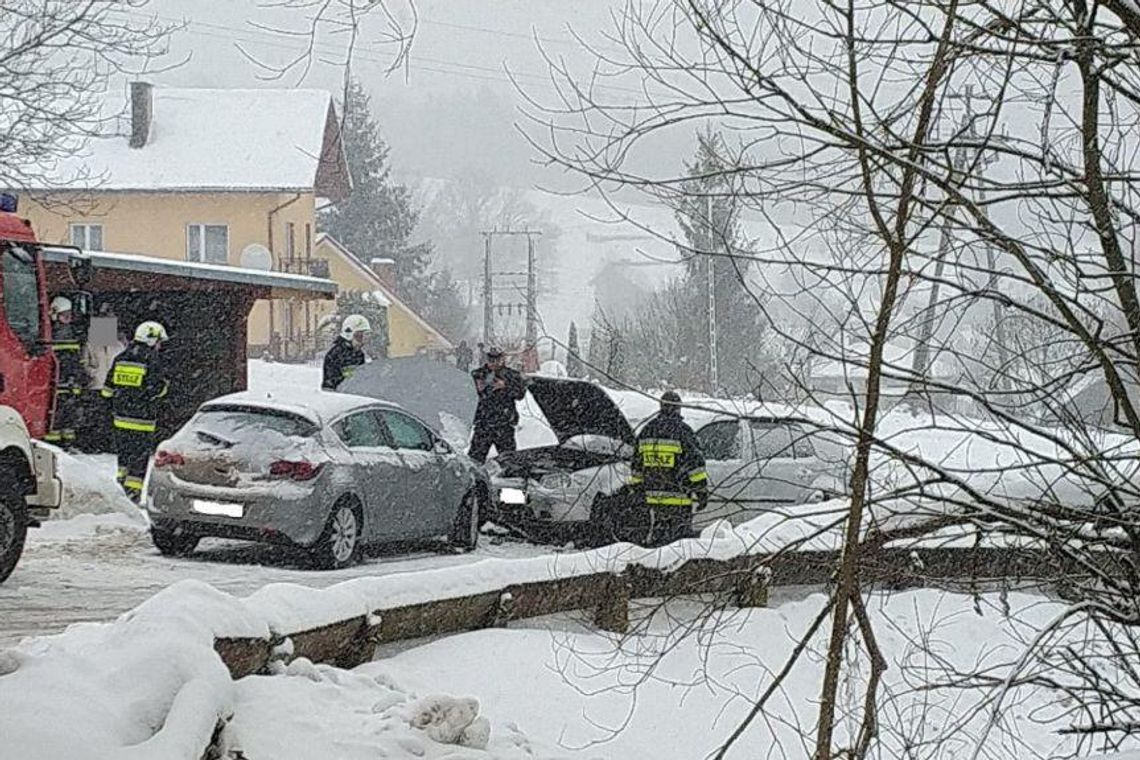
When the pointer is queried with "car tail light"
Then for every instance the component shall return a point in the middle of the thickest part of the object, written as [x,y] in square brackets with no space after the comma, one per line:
[168,459]
[294,470]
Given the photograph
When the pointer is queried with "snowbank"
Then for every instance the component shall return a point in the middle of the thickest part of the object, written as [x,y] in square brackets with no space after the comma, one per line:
[317,711]
[147,686]
[89,488]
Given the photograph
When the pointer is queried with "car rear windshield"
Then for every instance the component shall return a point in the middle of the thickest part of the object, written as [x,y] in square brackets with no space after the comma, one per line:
[231,424]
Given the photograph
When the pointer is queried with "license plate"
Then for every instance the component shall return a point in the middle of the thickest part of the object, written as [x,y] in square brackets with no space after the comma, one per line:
[217,508]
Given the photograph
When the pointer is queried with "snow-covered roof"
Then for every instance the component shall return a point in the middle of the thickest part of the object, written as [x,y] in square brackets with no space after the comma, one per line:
[296,284]
[317,405]
[214,140]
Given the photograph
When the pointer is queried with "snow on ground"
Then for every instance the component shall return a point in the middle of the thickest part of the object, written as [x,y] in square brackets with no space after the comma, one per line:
[654,696]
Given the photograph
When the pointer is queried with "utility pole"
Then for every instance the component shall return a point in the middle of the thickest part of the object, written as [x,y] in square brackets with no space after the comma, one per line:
[531,298]
[714,378]
[531,295]
[921,361]
[488,292]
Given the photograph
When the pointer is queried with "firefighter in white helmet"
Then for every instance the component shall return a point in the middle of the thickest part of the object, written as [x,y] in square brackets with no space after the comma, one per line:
[72,378]
[347,352]
[136,386]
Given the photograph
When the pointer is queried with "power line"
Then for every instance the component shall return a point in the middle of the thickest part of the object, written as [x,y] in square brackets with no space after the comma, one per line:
[270,39]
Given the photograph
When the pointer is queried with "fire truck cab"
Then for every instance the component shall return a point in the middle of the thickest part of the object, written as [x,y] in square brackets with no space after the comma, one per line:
[29,480]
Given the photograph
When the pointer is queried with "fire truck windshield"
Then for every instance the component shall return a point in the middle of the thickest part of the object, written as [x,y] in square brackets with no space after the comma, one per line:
[21,293]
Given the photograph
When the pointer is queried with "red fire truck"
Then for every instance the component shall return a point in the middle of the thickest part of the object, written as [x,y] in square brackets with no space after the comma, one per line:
[29,483]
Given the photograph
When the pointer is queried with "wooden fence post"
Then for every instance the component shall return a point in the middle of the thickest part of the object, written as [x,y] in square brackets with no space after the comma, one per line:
[752,589]
[612,610]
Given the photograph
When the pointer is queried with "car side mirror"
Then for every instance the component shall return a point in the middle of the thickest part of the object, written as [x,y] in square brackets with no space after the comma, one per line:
[441,446]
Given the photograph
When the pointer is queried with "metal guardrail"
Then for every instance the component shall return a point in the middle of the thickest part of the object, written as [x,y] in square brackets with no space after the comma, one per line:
[351,642]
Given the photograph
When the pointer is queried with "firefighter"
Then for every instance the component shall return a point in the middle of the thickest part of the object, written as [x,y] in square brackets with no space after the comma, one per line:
[72,375]
[669,470]
[498,387]
[347,352]
[136,385]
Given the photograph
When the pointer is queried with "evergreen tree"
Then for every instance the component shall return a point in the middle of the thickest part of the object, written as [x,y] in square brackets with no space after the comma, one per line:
[377,220]
[709,216]
[573,353]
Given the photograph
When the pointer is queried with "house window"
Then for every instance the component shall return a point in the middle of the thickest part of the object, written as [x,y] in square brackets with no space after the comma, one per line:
[209,243]
[89,237]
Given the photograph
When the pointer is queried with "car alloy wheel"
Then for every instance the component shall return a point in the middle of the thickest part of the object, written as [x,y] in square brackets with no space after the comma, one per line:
[464,534]
[344,534]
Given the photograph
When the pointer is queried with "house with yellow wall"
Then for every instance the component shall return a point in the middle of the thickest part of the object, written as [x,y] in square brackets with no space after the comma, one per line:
[408,333]
[228,177]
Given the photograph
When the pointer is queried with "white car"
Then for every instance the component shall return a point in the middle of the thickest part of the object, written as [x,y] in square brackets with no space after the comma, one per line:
[754,464]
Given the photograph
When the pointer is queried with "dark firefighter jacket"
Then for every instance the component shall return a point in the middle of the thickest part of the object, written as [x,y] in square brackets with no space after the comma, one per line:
[668,462]
[340,362]
[497,405]
[65,344]
[135,384]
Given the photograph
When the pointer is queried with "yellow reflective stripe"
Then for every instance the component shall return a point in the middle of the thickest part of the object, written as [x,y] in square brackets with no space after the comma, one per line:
[136,425]
[107,393]
[65,346]
[131,483]
[70,391]
[657,453]
[661,444]
[347,371]
[53,437]
[667,499]
[698,477]
[128,374]
[165,389]
[636,480]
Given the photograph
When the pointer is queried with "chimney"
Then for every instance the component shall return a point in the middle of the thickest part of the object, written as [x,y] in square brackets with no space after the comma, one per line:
[142,105]
[385,269]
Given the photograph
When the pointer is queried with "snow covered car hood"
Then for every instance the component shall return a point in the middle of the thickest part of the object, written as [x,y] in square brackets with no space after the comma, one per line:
[578,408]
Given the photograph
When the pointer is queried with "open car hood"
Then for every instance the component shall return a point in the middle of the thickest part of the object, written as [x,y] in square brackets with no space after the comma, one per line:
[576,407]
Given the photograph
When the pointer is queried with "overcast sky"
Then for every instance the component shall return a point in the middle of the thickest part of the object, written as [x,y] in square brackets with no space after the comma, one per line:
[452,104]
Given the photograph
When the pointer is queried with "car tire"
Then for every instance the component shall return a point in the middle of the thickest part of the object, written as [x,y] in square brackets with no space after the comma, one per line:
[339,545]
[13,527]
[172,542]
[465,531]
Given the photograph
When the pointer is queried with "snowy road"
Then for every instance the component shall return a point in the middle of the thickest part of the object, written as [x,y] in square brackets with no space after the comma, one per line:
[95,568]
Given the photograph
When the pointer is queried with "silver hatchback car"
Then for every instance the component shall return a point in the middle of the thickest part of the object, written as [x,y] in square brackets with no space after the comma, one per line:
[329,472]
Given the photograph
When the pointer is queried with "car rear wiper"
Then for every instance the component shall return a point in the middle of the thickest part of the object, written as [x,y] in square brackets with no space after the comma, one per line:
[209,437]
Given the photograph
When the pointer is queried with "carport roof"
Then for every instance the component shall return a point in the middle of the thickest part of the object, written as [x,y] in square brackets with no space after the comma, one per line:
[125,272]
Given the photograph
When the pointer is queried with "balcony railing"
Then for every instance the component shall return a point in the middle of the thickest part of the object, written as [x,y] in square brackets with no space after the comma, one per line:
[306,266]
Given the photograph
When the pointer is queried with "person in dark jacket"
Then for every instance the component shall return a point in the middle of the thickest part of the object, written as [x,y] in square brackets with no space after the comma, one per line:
[668,468]
[346,353]
[463,356]
[499,388]
[136,385]
[73,378]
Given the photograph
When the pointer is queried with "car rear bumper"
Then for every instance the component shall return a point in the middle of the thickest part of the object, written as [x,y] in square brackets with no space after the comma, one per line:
[280,513]
[517,500]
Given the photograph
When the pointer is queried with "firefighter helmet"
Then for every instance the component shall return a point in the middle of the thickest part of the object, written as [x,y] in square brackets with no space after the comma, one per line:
[671,403]
[353,324]
[150,333]
[60,304]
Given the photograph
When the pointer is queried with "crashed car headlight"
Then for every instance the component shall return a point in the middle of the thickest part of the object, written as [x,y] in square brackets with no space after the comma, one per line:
[512,496]
[558,480]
